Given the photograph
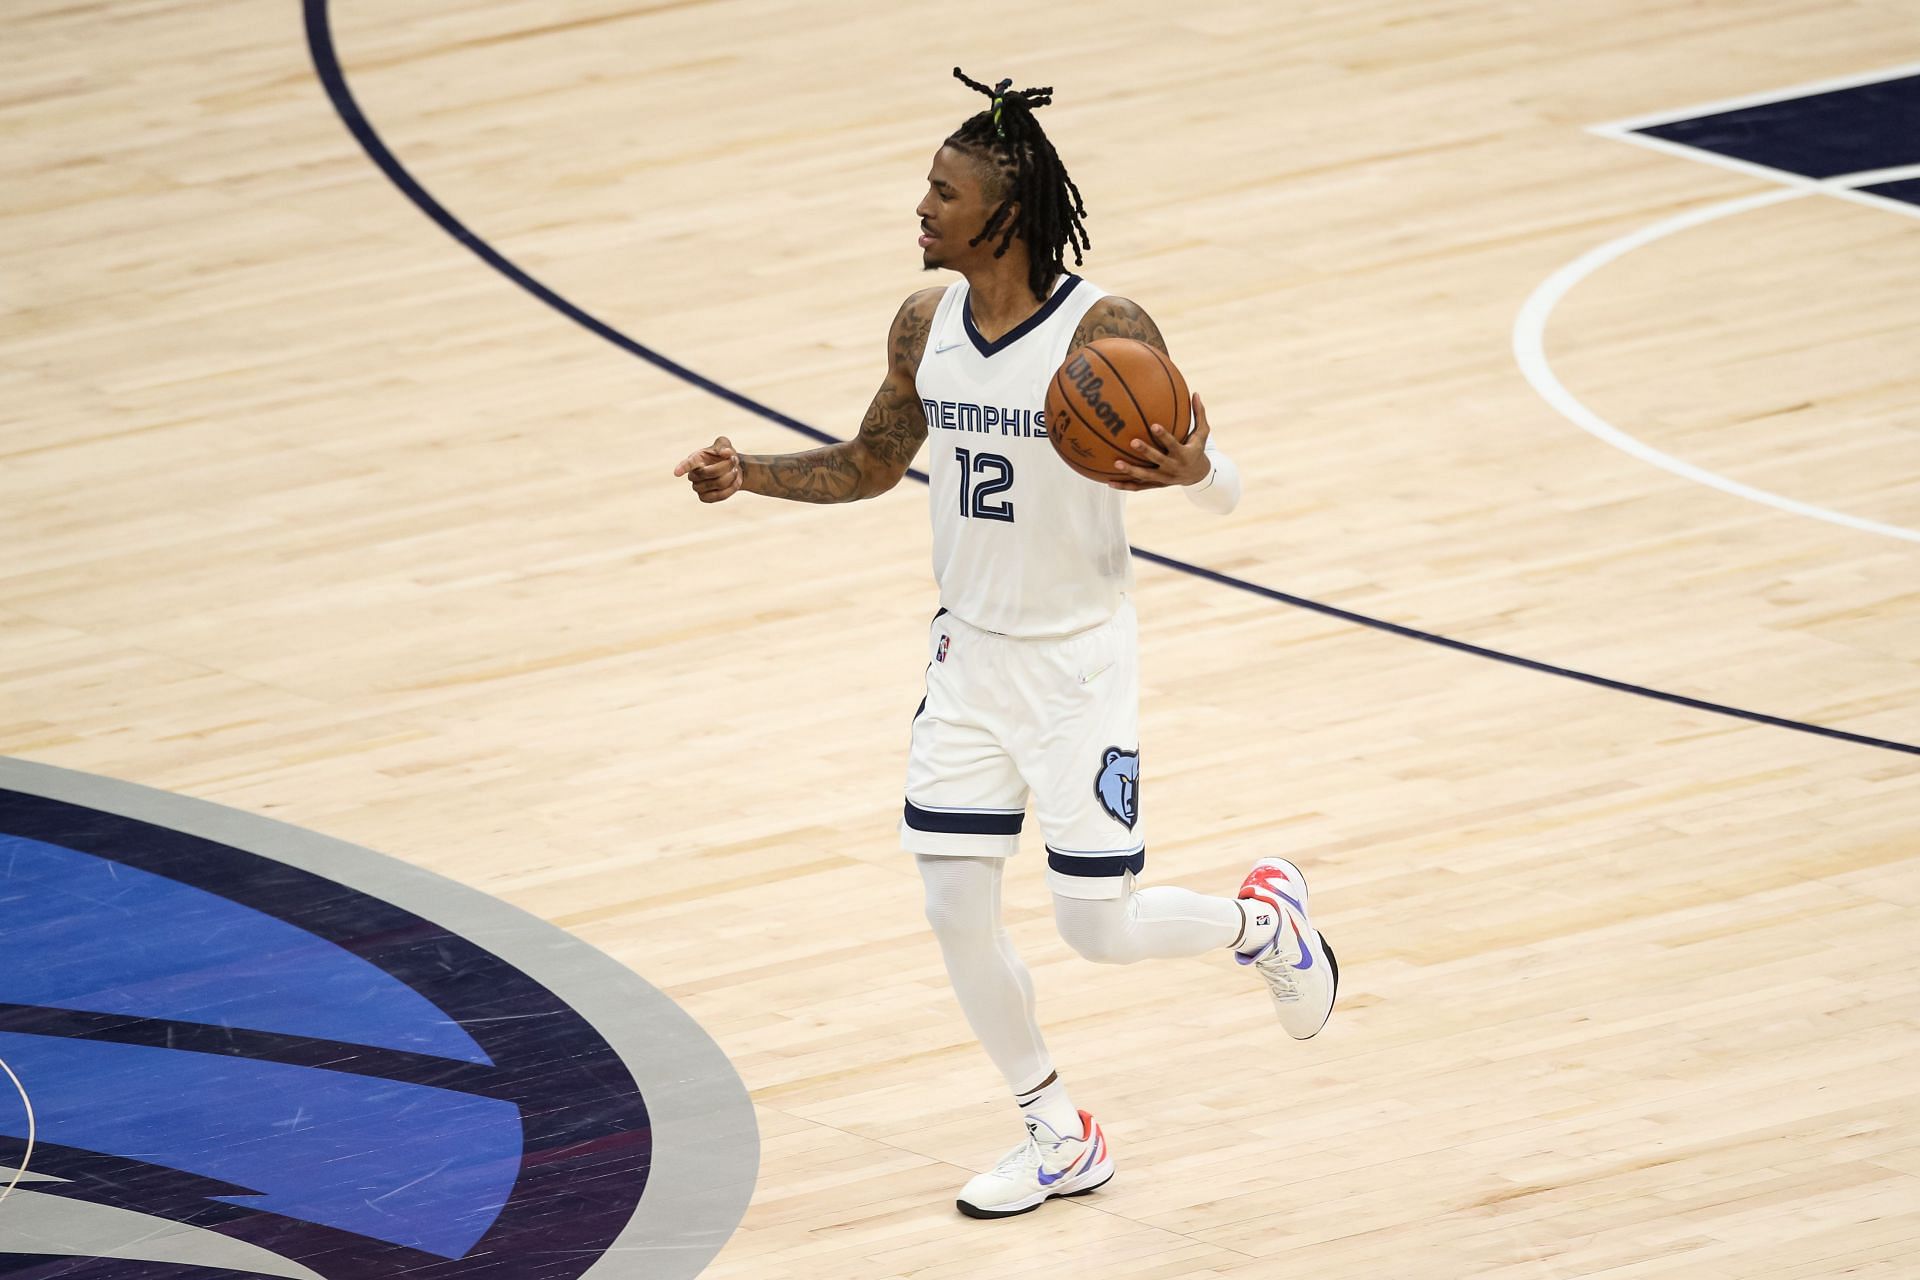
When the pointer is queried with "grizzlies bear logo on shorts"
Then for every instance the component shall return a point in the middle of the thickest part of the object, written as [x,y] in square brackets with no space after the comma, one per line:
[1118,785]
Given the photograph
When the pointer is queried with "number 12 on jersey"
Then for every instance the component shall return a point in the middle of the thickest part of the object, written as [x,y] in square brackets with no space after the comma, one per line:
[994,475]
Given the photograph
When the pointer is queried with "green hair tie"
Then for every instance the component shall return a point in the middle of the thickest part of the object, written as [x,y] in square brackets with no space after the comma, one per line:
[999,96]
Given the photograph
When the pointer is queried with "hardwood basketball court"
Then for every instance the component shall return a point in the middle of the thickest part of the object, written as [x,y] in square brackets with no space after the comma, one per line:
[309,512]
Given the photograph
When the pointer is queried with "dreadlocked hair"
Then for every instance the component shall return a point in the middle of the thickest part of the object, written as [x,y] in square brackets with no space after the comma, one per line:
[1040,204]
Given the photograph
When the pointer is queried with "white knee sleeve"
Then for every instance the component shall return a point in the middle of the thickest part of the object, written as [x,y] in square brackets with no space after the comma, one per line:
[963,896]
[990,981]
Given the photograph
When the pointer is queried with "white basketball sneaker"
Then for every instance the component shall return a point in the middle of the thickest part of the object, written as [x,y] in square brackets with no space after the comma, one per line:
[1298,964]
[1046,1165]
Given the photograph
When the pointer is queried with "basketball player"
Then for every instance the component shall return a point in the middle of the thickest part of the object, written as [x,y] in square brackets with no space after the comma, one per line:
[1032,684]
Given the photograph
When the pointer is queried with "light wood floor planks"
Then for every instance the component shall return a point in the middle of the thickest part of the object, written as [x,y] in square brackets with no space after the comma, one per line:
[304,510]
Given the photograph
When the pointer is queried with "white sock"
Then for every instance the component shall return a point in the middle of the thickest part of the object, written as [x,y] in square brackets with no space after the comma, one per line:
[1262,922]
[1052,1105]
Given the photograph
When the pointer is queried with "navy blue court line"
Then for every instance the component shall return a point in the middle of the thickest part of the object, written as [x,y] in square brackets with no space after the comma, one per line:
[326,64]
[258,1046]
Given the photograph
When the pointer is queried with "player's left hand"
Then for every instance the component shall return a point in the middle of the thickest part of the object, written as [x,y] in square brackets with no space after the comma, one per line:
[1165,461]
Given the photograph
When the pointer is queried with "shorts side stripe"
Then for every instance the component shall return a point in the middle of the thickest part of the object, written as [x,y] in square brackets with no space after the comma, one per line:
[1095,866]
[968,823]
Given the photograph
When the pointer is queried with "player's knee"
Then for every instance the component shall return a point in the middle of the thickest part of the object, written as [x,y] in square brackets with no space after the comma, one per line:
[943,919]
[957,920]
[1102,948]
[1096,930]
[962,903]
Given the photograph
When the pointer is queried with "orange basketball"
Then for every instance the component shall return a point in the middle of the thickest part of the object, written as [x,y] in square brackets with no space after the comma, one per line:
[1104,396]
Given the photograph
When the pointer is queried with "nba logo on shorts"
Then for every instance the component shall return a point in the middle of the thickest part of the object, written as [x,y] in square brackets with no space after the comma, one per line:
[940,654]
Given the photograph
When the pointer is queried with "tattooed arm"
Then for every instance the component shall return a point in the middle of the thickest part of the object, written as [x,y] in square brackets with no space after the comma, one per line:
[1211,480]
[1113,317]
[869,464]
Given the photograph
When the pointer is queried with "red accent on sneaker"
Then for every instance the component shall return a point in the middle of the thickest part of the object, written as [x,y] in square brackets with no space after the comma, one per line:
[1259,885]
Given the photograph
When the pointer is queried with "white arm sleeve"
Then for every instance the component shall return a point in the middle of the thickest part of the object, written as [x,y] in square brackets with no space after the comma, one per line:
[1219,493]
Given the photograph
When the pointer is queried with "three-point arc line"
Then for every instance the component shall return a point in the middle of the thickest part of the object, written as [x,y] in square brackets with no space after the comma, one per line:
[27,1157]
[326,64]
[1529,342]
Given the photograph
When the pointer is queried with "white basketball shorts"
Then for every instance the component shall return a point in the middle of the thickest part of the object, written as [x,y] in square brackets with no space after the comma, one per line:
[1058,717]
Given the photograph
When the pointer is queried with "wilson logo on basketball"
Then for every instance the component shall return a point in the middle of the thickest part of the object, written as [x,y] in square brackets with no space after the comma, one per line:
[1092,432]
[1080,372]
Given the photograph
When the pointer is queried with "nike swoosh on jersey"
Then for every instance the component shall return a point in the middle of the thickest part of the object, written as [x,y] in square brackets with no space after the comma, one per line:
[1091,676]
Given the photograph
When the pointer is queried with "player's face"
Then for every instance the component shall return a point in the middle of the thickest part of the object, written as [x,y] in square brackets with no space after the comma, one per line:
[953,211]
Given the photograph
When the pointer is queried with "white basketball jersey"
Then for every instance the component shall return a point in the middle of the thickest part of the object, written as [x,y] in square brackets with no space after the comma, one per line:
[1021,545]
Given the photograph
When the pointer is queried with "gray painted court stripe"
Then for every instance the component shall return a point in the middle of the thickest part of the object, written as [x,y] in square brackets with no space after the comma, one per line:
[706,1146]
[13,1173]
[39,1224]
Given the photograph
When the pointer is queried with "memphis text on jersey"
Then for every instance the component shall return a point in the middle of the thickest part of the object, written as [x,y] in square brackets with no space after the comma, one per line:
[959,415]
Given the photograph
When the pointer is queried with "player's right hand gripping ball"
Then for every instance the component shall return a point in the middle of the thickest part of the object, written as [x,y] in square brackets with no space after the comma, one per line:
[1105,396]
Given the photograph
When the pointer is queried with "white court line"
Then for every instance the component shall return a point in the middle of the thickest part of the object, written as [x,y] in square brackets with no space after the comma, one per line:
[26,1102]
[1809,185]
[1807,90]
[1628,131]
[1530,326]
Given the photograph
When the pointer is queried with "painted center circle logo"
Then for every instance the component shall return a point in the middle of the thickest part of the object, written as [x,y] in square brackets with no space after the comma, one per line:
[252,1065]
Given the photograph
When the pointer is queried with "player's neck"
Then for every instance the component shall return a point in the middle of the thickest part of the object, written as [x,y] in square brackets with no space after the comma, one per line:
[998,295]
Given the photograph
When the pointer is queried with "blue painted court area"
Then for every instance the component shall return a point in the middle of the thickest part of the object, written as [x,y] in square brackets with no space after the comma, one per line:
[1859,129]
[85,933]
[218,1038]
[193,956]
[405,1164]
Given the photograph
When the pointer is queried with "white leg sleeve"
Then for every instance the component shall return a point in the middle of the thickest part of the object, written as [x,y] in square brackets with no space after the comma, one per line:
[1144,924]
[992,984]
